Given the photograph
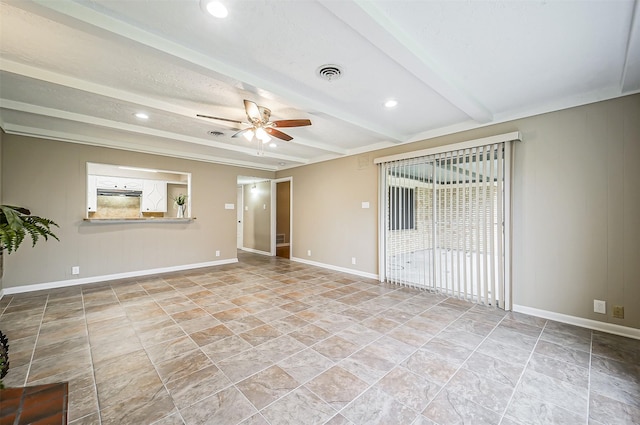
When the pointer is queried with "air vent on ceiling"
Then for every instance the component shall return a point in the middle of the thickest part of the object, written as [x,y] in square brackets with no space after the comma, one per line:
[216,133]
[329,72]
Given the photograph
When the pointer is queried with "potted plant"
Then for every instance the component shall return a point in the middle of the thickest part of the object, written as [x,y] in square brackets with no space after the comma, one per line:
[15,224]
[180,202]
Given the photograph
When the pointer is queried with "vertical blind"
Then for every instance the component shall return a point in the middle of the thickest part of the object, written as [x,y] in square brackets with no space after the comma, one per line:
[445,222]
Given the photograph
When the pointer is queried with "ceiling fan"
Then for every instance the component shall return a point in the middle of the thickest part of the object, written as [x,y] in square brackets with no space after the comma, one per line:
[261,128]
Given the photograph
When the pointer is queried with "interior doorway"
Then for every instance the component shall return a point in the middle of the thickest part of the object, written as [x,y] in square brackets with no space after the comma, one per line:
[283,218]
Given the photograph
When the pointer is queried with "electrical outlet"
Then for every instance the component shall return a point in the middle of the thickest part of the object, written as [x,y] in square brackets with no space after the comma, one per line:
[353,260]
[618,311]
[75,270]
[600,306]
[217,253]
[309,253]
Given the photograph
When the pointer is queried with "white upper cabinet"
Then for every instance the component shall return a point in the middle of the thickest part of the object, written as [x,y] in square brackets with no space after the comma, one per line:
[154,196]
[123,183]
[92,194]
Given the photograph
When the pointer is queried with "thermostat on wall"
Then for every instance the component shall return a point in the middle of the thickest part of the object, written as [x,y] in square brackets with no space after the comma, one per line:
[229,206]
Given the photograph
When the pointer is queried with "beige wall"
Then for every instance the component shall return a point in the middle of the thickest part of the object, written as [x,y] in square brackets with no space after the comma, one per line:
[576,227]
[256,231]
[49,178]
[328,217]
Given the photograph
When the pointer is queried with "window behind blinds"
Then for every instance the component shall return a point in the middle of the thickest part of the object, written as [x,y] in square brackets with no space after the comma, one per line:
[444,222]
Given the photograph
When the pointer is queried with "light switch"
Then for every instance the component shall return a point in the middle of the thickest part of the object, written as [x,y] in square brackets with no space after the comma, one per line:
[246,208]
[229,206]
[365,205]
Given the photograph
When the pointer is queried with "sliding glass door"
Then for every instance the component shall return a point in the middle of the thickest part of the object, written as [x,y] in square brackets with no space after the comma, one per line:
[444,222]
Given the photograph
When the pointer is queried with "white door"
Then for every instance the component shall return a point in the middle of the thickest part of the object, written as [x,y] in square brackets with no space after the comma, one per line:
[239,210]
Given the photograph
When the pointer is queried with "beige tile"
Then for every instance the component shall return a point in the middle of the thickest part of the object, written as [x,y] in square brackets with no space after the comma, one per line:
[182,365]
[335,348]
[306,365]
[197,386]
[260,335]
[227,407]
[267,386]
[377,407]
[322,329]
[337,387]
[225,348]
[169,350]
[139,409]
[408,388]
[212,334]
[298,407]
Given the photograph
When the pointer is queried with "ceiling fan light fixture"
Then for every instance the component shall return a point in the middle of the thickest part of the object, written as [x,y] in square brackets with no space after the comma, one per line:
[249,135]
[214,8]
[262,135]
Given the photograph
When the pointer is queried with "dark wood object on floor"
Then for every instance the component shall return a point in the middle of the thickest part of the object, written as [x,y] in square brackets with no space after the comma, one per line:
[38,405]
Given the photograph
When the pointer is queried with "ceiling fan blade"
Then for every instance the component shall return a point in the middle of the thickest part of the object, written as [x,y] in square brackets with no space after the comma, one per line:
[265,114]
[218,118]
[277,133]
[241,132]
[291,123]
[253,112]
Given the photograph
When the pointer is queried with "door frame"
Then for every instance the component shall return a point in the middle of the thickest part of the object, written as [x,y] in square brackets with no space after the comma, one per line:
[274,212]
[240,211]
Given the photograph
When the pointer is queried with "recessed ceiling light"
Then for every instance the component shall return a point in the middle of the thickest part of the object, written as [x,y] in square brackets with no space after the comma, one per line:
[391,103]
[214,8]
[273,145]
[141,115]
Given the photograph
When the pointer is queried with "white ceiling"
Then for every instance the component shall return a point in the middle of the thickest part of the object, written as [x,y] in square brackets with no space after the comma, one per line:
[79,70]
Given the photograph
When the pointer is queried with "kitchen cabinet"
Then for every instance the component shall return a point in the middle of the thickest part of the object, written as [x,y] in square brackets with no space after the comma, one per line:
[92,194]
[124,183]
[154,196]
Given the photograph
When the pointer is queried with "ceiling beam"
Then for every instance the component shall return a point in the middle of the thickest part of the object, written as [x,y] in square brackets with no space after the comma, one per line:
[128,146]
[71,9]
[374,25]
[101,122]
[126,96]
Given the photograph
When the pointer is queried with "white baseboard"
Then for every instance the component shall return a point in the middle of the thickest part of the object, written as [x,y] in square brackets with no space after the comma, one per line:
[336,268]
[579,321]
[256,251]
[115,276]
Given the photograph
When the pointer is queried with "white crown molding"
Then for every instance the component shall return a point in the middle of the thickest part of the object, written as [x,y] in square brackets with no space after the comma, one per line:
[116,276]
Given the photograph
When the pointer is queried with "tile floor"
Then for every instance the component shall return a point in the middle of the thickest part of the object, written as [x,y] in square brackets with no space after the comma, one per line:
[267,341]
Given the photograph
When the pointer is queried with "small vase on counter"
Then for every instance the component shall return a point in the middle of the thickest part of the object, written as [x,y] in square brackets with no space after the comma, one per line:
[181,209]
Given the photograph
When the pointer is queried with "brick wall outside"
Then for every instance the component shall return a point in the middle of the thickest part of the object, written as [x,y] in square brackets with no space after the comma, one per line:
[453,232]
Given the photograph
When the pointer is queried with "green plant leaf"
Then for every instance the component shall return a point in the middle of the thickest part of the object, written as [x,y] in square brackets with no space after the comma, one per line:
[17,222]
